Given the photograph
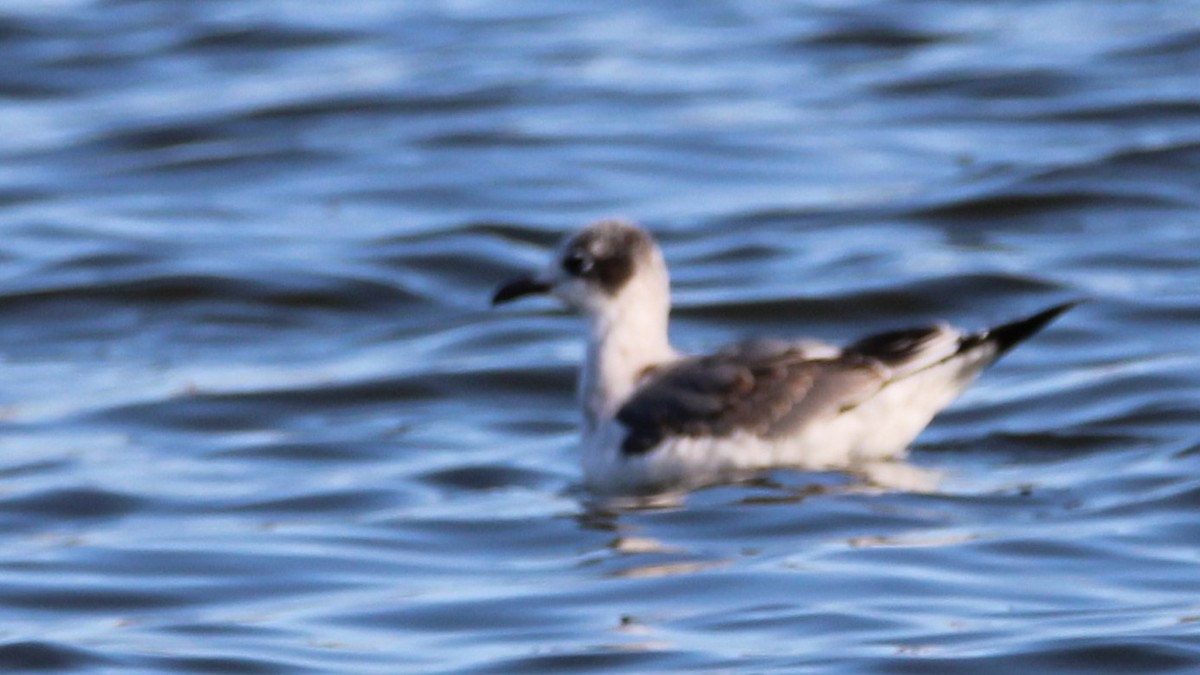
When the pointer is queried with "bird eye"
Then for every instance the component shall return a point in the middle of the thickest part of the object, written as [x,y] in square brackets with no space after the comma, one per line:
[577,264]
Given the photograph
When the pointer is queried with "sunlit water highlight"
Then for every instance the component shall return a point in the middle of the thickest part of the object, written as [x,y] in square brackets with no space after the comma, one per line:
[257,418]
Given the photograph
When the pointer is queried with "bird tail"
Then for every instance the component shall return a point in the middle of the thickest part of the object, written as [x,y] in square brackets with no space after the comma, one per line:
[1006,336]
[980,350]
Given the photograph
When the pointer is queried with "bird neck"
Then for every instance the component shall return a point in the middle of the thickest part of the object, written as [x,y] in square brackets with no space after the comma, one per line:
[624,340]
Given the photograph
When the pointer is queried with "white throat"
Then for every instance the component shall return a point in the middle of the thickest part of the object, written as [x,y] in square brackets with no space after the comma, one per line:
[626,336]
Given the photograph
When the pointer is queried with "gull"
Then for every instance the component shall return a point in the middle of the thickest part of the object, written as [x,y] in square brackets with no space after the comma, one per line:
[657,421]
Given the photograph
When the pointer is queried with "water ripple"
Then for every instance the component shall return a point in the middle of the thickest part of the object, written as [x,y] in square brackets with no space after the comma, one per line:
[260,418]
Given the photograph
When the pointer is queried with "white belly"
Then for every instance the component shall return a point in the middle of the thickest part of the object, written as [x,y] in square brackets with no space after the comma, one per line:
[880,428]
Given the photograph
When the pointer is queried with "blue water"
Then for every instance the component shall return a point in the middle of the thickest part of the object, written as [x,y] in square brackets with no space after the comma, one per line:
[255,415]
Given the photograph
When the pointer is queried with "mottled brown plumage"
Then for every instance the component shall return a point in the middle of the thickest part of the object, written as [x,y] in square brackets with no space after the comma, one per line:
[764,388]
[771,389]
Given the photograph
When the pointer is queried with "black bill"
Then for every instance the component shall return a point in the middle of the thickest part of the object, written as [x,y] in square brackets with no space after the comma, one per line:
[518,287]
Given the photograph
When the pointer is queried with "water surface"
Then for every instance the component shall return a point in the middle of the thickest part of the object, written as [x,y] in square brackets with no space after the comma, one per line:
[256,415]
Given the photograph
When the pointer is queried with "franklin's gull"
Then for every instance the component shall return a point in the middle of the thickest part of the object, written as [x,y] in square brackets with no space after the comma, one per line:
[655,420]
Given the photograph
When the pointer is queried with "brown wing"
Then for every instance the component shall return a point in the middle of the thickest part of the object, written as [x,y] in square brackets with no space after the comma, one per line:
[767,389]
[772,389]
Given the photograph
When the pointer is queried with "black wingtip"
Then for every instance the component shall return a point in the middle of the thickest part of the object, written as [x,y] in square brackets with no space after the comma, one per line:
[1009,335]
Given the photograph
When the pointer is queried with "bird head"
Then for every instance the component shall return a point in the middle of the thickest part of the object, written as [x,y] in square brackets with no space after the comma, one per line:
[597,269]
